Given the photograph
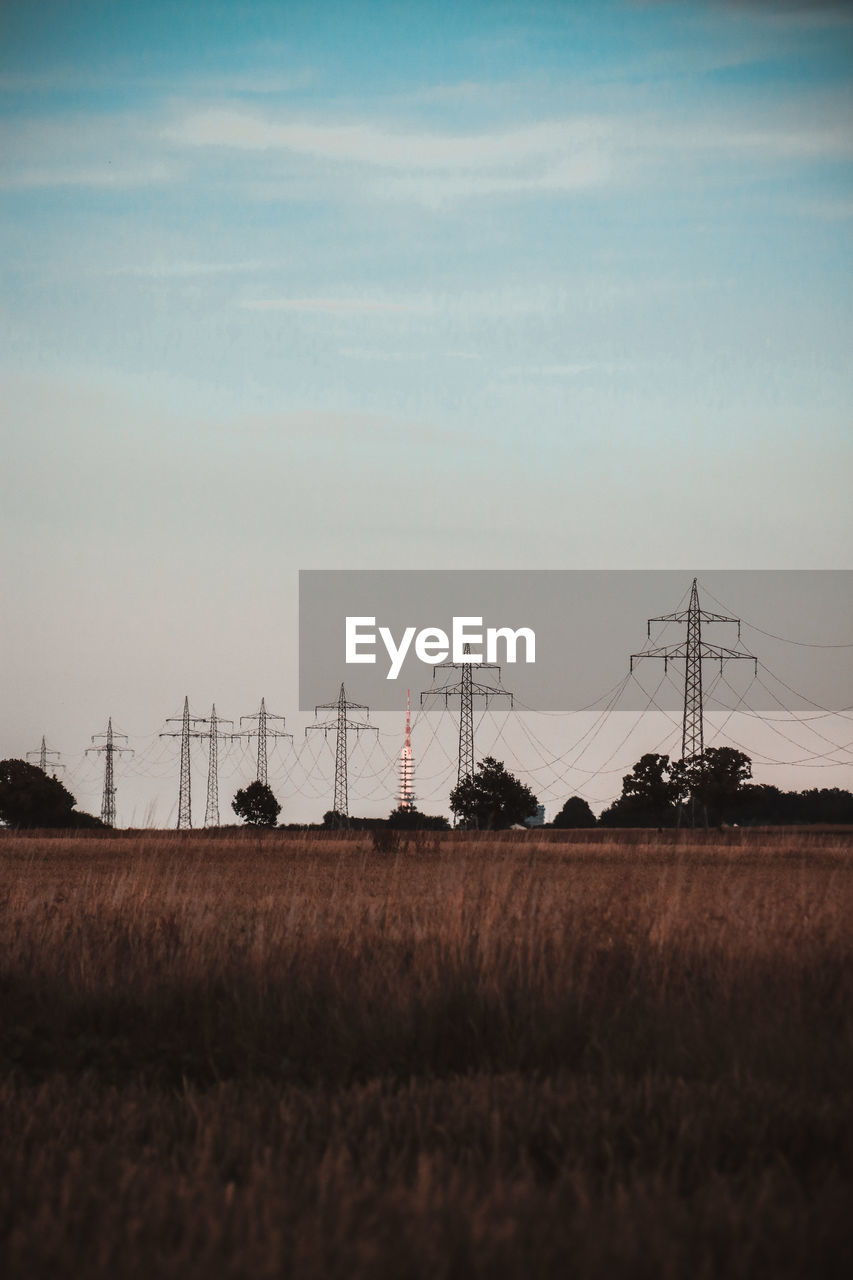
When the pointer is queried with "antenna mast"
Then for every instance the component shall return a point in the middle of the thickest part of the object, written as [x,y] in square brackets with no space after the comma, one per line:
[407,763]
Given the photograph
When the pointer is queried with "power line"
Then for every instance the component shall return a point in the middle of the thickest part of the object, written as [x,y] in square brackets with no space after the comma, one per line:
[801,644]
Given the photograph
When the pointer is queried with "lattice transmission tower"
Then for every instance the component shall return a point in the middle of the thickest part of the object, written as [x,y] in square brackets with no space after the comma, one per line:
[44,753]
[342,725]
[109,748]
[185,733]
[263,732]
[694,651]
[466,689]
[211,813]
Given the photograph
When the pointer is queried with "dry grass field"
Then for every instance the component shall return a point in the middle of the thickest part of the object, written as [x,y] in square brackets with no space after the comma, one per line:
[231,1055]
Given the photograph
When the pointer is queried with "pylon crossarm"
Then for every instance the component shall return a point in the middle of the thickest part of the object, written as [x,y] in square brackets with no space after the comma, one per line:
[718,617]
[724,655]
[454,690]
[668,652]
[680,616]
[333,706]
[465,666]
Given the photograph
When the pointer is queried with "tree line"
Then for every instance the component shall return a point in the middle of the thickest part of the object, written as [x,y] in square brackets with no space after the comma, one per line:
[719,783]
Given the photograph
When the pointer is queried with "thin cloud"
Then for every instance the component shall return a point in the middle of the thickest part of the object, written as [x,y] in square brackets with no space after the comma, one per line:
[104,176]
[385,148]
[332,306]
[575,154]
[187,270]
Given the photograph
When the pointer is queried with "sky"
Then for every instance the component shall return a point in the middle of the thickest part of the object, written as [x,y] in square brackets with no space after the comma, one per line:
[375,285]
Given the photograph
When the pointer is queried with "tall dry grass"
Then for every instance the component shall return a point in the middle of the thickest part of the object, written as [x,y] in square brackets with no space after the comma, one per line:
[474,1056]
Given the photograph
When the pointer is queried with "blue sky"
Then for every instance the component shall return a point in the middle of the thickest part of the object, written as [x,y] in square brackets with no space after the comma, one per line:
[386,285]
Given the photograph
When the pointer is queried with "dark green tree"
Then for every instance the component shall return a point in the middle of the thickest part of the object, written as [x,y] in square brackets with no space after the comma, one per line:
[648,797]
[335,821]
[575,813]
[256,805]
[492,798]
[715,780]
[29,798]
[401,819]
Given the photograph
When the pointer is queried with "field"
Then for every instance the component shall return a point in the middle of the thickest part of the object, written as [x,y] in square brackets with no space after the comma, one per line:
[469,1056]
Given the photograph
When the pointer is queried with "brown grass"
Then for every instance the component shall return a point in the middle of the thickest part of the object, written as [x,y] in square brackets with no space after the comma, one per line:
[478,1056]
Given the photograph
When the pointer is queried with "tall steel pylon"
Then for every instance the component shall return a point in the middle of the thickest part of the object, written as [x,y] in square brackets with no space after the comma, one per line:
[694,651]
[466,689]
[186,721]
[109,749]
[44,760]
[263,732]
[342,725]
[211,813]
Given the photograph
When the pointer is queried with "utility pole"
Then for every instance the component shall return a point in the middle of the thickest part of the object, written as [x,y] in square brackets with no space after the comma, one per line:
[45,763]
[342,726]
[211,813]
[186,721]
[263,732]
[466,689]
[109,748]
[694,651]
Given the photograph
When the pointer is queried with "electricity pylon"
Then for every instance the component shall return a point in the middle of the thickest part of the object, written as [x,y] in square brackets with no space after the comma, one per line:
[211,813]
[45,763]
[694,651]
[466,689]
[109,749]
[263,732]
[342,726]
[186,721]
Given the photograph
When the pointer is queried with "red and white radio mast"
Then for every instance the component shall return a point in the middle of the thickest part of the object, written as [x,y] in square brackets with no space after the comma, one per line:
[407,764]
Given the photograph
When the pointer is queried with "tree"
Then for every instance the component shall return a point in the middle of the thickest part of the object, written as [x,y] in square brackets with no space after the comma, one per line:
[334,821]
[404,819]
[648,795]
[574,813]
[492,798]
[256,805]
[650,783]
[29,798]
[715,779]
